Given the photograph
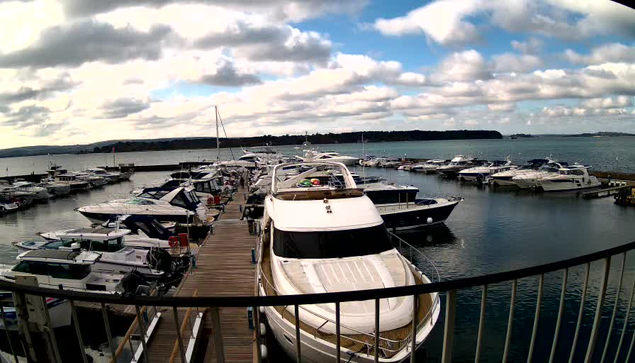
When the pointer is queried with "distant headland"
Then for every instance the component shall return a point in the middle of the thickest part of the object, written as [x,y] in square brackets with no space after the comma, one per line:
[270,140]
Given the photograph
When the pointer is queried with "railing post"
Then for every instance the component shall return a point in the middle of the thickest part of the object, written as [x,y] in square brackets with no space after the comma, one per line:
[178,334]
[481,325]
[104,313]
[376,330]
[415,316]
[598,310]
[563,292]
[615,306]
[258,338]
[534,331]
[6,331]
[338,352]
[510,322]
[143,333]
[298,345]
[626,319]
[630,350]
[587,269]
[448,333]
[51,333]
[78,332]
[218,335]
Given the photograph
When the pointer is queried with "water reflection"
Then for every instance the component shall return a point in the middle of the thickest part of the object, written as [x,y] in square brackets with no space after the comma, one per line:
[431,236]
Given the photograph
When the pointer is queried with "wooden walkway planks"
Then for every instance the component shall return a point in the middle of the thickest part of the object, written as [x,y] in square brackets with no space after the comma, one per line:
[223,268]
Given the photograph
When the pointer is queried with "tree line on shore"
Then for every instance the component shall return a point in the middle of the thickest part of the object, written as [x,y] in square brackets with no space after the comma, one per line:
[270,140]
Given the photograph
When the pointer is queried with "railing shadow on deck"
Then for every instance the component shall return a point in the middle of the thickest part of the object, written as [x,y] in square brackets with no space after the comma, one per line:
[449,288]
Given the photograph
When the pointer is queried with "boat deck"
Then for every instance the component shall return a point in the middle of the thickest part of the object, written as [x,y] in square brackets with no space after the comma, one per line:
[223,268]
[354,342]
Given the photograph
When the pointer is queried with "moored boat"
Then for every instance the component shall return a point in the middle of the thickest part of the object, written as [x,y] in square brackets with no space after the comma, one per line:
[320,238]
[571,178]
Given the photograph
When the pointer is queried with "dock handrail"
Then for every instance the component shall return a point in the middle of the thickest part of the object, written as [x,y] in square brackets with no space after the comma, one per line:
[321,298]
[449,287]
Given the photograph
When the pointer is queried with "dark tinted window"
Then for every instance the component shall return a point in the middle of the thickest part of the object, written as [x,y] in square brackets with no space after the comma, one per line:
[331,244]
[178,201]
[36,268]
[67,271]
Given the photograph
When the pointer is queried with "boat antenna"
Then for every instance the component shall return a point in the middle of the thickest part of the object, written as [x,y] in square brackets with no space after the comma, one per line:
[217,135]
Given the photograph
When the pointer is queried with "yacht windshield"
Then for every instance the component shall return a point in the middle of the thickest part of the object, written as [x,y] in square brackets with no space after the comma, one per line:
[331,244]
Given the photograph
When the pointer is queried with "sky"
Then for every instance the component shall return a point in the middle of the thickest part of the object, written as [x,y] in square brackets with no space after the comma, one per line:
[79,71]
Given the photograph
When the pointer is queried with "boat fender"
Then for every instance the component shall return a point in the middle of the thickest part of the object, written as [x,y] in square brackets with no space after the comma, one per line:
[263,351]
[429,220]
[263,329]
[173,241]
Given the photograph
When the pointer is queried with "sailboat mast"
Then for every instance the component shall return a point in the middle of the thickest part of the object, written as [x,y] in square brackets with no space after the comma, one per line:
[363,159]
[217,135]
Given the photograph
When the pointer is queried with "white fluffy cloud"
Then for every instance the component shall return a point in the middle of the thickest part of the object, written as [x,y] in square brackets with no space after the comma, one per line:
[468,65]
[452,21]
[70,70]
[613,52]
[509,62]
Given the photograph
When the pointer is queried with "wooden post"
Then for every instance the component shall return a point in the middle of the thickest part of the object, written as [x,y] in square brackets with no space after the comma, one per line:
[34,324]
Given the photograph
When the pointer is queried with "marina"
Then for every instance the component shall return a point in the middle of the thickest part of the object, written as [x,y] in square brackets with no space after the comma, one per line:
[298,181]
[233,246]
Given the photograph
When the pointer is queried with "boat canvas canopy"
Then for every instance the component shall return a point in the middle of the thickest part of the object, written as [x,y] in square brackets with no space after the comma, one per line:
[314,215]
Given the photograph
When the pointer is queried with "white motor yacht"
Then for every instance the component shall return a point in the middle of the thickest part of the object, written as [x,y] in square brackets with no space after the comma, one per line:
[429,167]
[73,181]
[458,163]
[93,180]
[323,238]
[39,194]
[109,176]
[530,178]
[483,172]
[116,257]
[313,155]
[7,206]
[575,177]
[140,232]
[166,205]
[69,269]
[504,178]
[55,189]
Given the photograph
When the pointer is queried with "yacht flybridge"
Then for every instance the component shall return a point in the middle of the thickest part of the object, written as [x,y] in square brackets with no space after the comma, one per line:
[327,236]
[166,205]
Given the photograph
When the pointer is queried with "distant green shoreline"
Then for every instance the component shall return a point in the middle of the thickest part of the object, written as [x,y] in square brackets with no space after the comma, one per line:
[265,140]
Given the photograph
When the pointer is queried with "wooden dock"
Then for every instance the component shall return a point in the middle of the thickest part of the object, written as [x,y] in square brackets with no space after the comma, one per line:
[223,268]
[605,192]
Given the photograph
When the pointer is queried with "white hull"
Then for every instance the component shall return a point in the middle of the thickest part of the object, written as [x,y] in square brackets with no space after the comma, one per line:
[123,267]
[502,182]
[526,183]
[550,186]
[316,350]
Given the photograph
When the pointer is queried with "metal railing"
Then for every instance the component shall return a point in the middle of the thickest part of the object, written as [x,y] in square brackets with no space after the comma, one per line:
[450,288]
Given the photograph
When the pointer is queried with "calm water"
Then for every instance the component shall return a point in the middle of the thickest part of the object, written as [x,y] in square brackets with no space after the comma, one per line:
[492,230]
[610,153]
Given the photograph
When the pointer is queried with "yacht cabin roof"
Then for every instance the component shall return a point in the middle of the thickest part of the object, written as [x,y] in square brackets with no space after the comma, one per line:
[63,256]
[323,215]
